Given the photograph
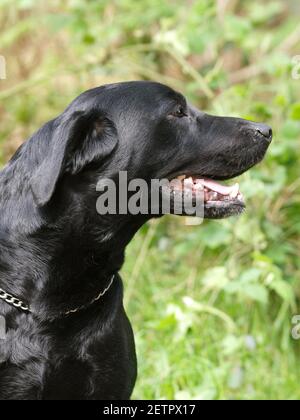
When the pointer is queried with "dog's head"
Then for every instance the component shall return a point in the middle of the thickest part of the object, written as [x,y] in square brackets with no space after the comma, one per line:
[151,132]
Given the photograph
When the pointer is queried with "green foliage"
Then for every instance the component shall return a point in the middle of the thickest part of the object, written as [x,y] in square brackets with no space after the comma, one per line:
[212,305]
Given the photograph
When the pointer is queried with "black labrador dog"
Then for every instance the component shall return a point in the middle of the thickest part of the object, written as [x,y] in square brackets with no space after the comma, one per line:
[65,334]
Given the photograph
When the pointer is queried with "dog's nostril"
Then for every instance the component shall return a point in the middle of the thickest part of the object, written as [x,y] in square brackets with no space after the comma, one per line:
[265,131]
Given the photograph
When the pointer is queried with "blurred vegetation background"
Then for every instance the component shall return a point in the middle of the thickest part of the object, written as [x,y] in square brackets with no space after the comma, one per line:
[211,306]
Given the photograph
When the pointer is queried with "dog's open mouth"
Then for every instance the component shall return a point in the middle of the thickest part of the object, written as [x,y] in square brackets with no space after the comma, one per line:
[219,201]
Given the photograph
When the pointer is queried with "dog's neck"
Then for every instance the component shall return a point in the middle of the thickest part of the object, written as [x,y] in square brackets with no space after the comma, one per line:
[64,264]
[62,256]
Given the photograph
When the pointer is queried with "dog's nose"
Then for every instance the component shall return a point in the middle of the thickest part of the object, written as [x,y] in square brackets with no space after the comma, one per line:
[265,131]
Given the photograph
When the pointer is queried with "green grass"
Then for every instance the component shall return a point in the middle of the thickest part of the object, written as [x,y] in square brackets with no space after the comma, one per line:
[194,339]
[212,305]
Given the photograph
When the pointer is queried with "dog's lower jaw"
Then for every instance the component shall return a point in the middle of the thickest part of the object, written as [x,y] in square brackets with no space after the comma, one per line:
[223,210]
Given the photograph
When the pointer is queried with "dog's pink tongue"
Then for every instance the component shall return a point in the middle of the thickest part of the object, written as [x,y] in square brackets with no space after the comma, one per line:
[221,189]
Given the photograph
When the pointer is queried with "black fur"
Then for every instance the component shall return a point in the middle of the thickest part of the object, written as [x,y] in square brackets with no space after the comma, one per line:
[57,253]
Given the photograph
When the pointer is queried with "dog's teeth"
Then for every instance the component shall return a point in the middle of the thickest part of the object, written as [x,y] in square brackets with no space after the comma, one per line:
[235,191]
[188,183]
[181,178]
[213,196]
[198,186]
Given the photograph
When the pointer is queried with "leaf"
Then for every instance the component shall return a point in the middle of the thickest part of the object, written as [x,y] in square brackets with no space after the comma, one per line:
[214,235]
[284,290]
[262,13]
[295,112]
[251,275]
[290,129]
[236,28]
[216,278]
[255,292]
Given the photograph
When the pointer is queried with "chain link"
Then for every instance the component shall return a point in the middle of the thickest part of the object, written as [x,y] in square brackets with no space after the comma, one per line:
[80,308]
[17,303]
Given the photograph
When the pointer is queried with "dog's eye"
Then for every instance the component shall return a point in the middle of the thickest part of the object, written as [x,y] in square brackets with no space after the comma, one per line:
[180,112]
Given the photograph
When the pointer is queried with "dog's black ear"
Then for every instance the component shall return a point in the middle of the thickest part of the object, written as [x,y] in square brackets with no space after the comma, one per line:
[77,140]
